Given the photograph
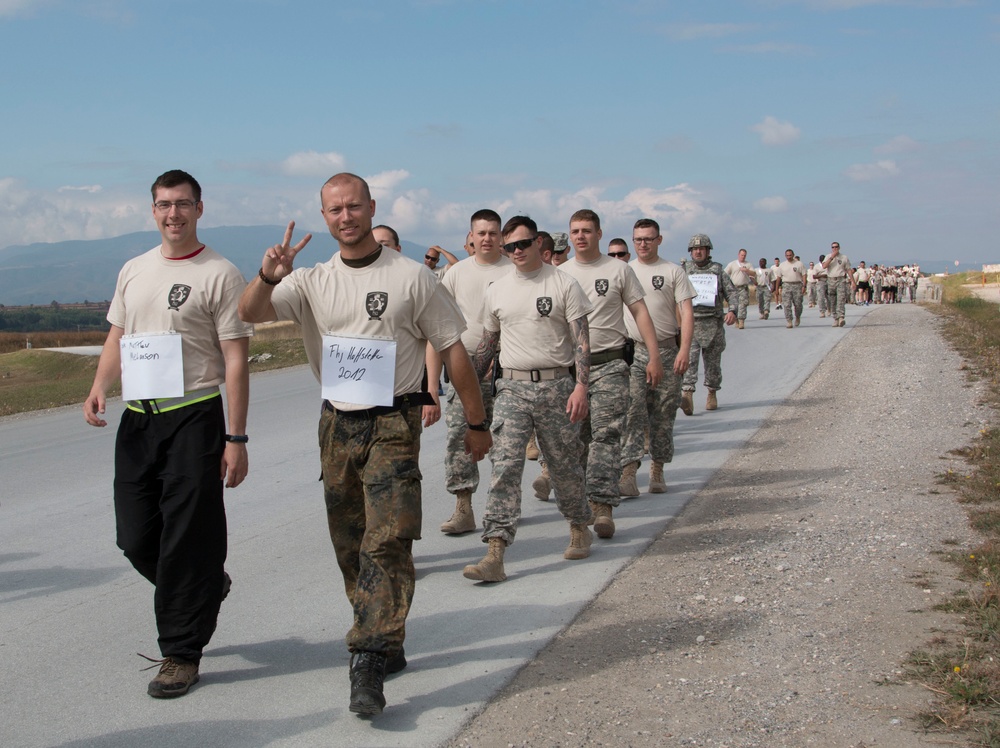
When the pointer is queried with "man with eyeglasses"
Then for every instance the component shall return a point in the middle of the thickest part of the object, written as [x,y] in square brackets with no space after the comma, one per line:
[653,409]
[618,249]
[839,283]
[611,286]
[742,275]
[560,248]
[174,451]
[467,282]
[367,314]
[536,317]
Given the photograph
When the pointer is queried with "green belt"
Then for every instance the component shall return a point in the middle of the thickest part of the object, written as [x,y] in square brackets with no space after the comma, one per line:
[166,404]
[596,359]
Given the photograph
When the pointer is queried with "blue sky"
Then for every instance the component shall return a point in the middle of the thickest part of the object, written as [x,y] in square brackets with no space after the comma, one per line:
[765,123]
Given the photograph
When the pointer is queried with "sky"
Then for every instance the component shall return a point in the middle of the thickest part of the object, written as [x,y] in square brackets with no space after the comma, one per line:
[767,124]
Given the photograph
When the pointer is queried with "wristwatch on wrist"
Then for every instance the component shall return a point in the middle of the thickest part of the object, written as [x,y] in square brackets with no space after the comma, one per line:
[237,438]
[484,426]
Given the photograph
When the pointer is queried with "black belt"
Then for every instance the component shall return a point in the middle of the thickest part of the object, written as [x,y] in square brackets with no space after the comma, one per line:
[399,402]
[596,359]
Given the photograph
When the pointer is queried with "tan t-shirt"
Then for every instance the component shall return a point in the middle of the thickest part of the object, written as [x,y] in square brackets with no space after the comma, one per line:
[467,282]
[196,297]
[394,297]
[666,285]
[735,272]
[792,271]
[532,313]
[608,283]
[839,267]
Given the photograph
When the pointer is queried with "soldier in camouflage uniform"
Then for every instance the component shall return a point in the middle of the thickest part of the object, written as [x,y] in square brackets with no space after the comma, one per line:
[537,318]
[764,284]
[742,275]
[792,277]
[611,286]
[709,342]
[369,454]
[839,283]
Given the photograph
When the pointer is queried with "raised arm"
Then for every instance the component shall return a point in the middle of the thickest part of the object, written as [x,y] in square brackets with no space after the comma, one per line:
[255,303]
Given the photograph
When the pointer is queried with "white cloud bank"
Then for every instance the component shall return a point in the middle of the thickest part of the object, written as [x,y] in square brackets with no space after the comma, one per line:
[774,132]
[870,172]
[312,164]
[776,204]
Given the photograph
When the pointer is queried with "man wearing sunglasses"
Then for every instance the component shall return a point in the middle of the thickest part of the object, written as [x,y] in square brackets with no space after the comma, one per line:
[839,283]
[536,317]
[618,249]
[433,256]
[612,287]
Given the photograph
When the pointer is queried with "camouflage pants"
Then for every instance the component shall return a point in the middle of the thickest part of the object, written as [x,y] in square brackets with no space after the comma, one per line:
[461,472]
[601,431]
[763,300]
[793,300]
[656,408]
[837,291]
[371,484]
[518,408]
[811,292]
[821,300]
[742,301]
[708,343]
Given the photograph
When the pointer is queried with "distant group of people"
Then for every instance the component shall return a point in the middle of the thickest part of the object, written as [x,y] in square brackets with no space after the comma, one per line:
[582,357]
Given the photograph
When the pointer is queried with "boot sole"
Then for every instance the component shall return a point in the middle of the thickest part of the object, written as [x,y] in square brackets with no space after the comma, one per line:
[478,576]
[604,529]
[457,530]
[658,488]
[159,693]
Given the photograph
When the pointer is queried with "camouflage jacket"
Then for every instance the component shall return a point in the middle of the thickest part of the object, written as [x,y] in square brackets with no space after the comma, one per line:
[726,289]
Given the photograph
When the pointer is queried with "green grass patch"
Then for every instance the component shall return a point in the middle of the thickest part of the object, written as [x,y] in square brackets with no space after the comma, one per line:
[34,380]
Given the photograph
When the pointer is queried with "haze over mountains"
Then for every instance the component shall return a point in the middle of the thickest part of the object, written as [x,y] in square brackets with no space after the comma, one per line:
[86,270]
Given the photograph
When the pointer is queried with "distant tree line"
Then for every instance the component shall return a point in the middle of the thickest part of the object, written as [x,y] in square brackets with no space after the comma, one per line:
[55,317]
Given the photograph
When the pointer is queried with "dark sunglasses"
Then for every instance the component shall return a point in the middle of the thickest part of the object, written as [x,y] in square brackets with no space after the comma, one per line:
[617,254]
[520,244]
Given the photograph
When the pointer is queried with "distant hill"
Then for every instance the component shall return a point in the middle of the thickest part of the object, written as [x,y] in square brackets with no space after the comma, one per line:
[76,271]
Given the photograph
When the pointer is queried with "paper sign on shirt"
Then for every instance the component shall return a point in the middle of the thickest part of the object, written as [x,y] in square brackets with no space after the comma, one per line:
[707,286]
[152,366]
[361,371]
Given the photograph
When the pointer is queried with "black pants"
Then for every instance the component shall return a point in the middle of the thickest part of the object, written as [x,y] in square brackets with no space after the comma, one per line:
[170,517]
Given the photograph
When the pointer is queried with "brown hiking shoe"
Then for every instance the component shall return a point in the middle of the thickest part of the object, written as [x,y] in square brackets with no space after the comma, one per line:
[463,520]
[174,679]
[531,451]
[580,539]
[490,569]
[604,526]
[687,403]
[542,485]
[712,403]
[627,486]
[656,483]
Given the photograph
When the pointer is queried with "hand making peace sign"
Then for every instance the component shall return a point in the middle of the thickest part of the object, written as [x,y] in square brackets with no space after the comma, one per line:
[278,259]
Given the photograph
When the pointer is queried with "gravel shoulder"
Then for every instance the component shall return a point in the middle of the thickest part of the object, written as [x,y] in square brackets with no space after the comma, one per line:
[780,605]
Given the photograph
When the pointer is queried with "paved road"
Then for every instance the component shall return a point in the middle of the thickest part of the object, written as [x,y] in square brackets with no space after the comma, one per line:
[75,613]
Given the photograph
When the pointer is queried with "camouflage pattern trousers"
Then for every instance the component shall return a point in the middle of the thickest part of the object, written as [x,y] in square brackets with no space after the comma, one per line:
[371,484]
[821,300]
[742,301]
[811,292]
[601,431]
[655,408]
[518,408]
[708,343]
[793,300]
[763,300]
[837,291]
[461,472]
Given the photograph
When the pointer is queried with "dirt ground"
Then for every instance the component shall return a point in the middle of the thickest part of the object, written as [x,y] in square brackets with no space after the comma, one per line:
[779,608]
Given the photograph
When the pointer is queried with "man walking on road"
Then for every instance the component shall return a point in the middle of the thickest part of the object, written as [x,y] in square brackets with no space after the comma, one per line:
[839,284]
[372,306]
[765,284]
[742,275]
[792,278]
[173,452]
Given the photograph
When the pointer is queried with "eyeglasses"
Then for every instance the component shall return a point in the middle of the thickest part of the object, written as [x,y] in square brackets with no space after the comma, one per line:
[835,246]
[183,205]
[644,239]
[520,244]
[617,254]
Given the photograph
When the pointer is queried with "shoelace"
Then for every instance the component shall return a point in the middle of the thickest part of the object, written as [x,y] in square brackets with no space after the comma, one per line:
[167,665]
[369,672]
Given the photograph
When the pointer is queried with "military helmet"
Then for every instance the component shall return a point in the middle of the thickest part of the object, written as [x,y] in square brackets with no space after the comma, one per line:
[699,240]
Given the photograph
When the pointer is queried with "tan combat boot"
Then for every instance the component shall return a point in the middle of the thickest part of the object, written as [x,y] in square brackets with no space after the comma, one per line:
[739,324]
[580,539]
[627,487]
[490,569]
[531,451]
[687,403]
[463,520]
[656,483]
[542,484]
[712,402]
[604,526]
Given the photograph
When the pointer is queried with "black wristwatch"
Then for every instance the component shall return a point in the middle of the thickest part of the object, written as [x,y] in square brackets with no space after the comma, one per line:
[237,438]
[484,426]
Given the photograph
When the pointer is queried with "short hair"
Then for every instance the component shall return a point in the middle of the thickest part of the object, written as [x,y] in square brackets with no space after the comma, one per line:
[346,176]
[390,229]
[822,257]
[741,250]
[485,215]
[175,178]
[517,222]
[586,214]
[618,240]
[647,223]
[548,243]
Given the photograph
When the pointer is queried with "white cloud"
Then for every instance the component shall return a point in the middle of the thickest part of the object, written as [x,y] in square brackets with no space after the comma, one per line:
[313,164]
[869,172]
[91,188]
[14,7]
[385,182]
[776,204]
[774,132]
[899,144]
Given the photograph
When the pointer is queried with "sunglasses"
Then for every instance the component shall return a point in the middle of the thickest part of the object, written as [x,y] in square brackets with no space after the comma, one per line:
[617,254]
[520,244]
[430,257]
